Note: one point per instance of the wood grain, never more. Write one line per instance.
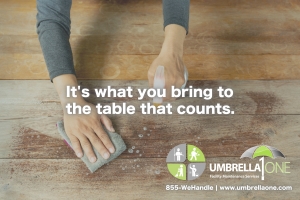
(135, 67)
(231, 43)
(120, 39)
(35, 162)
(127, 16)
(217, 136)
(145, 44)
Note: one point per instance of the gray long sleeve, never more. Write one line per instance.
(176, 12)
(54, 24)
(53, 28)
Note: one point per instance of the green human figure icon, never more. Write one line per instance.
(194, 154)
(179, 171)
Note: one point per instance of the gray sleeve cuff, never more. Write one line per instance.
(176, 12)
(54, 74)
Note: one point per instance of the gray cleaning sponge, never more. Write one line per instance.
(115, 138)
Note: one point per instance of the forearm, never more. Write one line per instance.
(176, 24)
(53, 28)
(176, 19)
(174, 39)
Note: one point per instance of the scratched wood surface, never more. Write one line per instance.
(119, 39)
(35, 162)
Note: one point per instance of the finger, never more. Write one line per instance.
(103, 136)
(87, 148)
(169, 95)
(99, 146)
(180, 81)
(177, 83)
(107, 123)
(76, 146)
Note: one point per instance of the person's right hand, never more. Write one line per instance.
(86, 131)
(83, 130)
(173, 72)
(170, 57)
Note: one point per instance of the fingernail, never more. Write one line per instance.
(112, 129)
(93, 159)
(106, 156)
(79, 155)
(111, 150)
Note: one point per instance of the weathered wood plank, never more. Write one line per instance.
(105, 39)
(216, 13)
(135, 27)
(125, 37)
(131, 178)
(135, 67)
(217, 136)
(143, 44)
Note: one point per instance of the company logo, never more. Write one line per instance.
(261, 151)
(266, 151)
(180, 154)
(187, 162)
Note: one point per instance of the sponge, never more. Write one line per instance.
(114, 137)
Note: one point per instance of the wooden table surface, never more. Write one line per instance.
(35, 162)
(228, 39)
(249, 46)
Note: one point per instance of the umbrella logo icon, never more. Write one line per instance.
(262, 151)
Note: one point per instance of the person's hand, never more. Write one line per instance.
(86, 131)
(173, 71)
(171, 58)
